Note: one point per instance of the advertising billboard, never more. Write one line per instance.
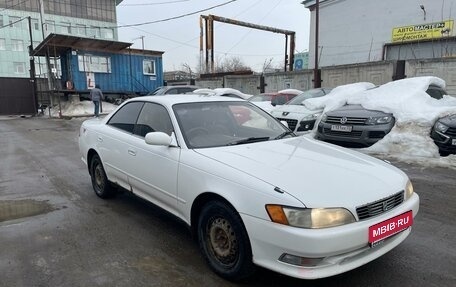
(423, 31)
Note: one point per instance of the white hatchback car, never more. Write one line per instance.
(251, 191)
(299, 118)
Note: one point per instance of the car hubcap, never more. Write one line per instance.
(222, 241)
(99, 179)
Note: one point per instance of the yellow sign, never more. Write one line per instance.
(423, 31)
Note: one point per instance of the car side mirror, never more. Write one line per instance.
(158, 138)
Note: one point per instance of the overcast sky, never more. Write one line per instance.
(179, 38)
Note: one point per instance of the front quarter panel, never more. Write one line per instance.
(248, 195)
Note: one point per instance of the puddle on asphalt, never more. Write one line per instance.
(16, 209)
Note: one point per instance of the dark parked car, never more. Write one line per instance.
(353, 125)
(444, 134)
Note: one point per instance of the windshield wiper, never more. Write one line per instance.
(248, 140)
(284, 134)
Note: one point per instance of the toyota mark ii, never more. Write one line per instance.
(252, 192)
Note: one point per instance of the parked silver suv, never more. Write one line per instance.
(353, 125)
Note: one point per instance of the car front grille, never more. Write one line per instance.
(349, 120)
(380, 206)
(352, 134)
(451, 132)
(291, 123)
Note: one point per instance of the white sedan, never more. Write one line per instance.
(250, 190)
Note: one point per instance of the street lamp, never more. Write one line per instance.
(424, 11)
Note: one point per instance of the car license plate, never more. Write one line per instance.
(341, 128)
(453, 141)
(389, 227)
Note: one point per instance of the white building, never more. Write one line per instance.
(359, 31)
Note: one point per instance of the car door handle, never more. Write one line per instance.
(131, 152)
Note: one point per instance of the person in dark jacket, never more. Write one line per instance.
(97, 96)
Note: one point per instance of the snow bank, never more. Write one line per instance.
(414, 110)
(337, 97)
(79, 109)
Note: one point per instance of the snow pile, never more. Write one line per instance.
(337, 97)
(291, 91)
(79, 109)
(414, 110)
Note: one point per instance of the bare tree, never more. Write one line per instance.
(230, 64)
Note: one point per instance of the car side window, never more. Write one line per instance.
(153, 118)
(125, 117)
(435, 93)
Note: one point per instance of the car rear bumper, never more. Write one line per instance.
(365, 135)
(326, 252)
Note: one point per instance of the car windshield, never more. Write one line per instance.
(306, 95)
(214, 124)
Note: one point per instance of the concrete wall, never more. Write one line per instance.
(248, 85)
(301, 80)
(444, 69)
(375, 72)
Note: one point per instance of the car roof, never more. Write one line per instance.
(171, 99)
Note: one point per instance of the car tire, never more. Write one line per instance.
(224, 242)
(444, 153)
(100, 183)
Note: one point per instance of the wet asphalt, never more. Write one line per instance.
(54, 231)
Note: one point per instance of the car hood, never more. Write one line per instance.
(449, 121)
(356, 111)
(293, 109)
(316, 173)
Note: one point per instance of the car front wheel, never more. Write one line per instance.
(100, 183)
(224, 242)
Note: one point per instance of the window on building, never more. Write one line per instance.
(1, 21)
(96, 64)
(94, 32)
(2, 44)
(107, 33)
(35, 24)
(65, 28)
(50, 26)
(81, 29)
(149, 67)
(19, 67)
(15, 22)
(17, 45)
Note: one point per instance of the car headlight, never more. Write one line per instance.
(313, 218)
(408, 190)
(324, 117)
(310, 117)
(379, 120)
(440, 127)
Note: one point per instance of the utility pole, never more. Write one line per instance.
(32, 65)
(42, 20)
(317, 74)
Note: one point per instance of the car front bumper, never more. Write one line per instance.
(338, 249)
(361, 135)
(443, 141)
